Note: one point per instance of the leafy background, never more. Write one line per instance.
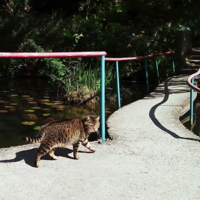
(119, 27)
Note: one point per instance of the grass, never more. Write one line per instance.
(80, 76)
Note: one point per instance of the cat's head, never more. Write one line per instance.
(91, 123)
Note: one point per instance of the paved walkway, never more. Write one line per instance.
(152, 157)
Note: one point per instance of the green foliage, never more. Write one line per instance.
(122, 28)
(80, 75)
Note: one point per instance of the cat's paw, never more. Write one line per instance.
(77, 158)
(92, 149)
(36, 164)
(54, 157)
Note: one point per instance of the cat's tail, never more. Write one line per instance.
(32, 139)
(37, 138)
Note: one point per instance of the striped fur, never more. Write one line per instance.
(62, 133)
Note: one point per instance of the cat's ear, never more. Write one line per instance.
(87, 118)
(97, 118)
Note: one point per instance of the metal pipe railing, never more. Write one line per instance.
(145, 66)
(190, 82)
(51, 54)
(102, 81)
(70, 54)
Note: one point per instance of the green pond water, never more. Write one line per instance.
(26, 104)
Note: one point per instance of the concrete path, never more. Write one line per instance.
(152, 157)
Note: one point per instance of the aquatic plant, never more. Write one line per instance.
(83, 81)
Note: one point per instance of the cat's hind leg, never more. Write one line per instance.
(86, 144)
(75, 150)
(41, 151)
(52, 155)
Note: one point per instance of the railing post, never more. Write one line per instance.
(157, 70)
(192, 104)
(173, 67)
(118, 84)
(102, 96)
(147, 74)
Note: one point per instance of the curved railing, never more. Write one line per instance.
(145, 66)
(190, 82)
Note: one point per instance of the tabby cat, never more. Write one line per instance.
(62, 133)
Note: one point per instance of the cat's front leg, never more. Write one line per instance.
(75, 150)
(86, 144)
(52, 155)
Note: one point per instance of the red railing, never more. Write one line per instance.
(137, 58)
(70, 54)
(86, 54)
(51, 54)
(146, 70)
(189, 81)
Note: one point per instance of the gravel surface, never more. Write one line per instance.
(152, 157)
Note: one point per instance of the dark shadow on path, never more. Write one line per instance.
(29, 155)
(156, 121)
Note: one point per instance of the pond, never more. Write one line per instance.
(26, 104)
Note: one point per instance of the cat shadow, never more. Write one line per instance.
(29, 155)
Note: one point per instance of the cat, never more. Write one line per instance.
(62, 133)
